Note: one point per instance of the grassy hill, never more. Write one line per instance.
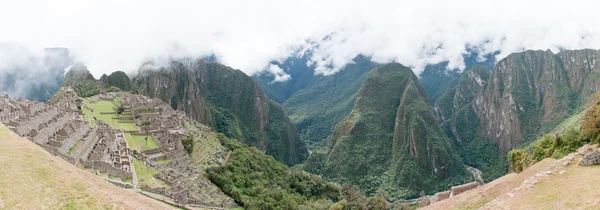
(31, 178)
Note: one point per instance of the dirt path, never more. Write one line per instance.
(478, 197)
(563, 185)
(31, 178)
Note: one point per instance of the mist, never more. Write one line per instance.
(35, 75)
(249, 35)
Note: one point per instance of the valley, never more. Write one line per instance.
(198, 134)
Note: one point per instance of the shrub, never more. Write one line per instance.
(188, 145)
(258, 181)
(519, 160)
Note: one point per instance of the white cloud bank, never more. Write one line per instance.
(119, 35)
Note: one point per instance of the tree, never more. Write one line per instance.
(146, 124)
(120, 109)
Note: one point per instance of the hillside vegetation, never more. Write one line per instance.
(257, 181)
(227, 100)
(391, 140)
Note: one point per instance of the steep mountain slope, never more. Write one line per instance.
(391, 140)
(81, 80)
(461, 124)
(31, 76)
(526, 95)
(116, 79)
(437, 79)
(326, 100)
(31, 178)
(316, 103)
(530, 93)
(227, 100)
(300, 76)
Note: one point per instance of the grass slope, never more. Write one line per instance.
(31, 178)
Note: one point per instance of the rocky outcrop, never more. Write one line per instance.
(590, 159)
(529, 93)
(227, 100)
(526, 95)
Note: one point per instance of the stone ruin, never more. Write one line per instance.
(62, 130)
(454, 191)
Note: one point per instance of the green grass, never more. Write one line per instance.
(75, 147)
(145, 174)
(110, 119)
(163, 162)
(139, 142)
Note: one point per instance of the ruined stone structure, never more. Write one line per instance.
(61, 129)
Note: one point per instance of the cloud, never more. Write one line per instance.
(280, 75)
(31, 74)
(248, 35)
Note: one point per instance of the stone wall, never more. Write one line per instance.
(54, 151)
(158, 190)
(456, 190)
(440, 196)
(108, 168)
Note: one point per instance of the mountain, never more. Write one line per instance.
(81, 80)
(116, 79)
(391, 139)
(316, 103)
(300, 76)
(227, 100)
(437, 78)
(525, 96)
(26, 74)
(326, 100)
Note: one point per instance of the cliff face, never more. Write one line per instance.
(391, 139)
(526, 95)
(531, 92)
(227, 100)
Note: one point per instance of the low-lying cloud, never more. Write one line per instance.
(248, 35)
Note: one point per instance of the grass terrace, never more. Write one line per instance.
(145, 175)
(138, 143)
(75, 147)
(111, 119)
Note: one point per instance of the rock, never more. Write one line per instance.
(562, 172)
(590, 159)
(586, 149)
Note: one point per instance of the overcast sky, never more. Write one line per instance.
(119, 35)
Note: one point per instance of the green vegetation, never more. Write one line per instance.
(107, 112)
(188, 145)
(75, 147)
(227, 100)
(258, 181)
(560, 144)
(145, 175)
(140, 143)
(316, 109)
(117, 79)
(391, 140)
(82, 81)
